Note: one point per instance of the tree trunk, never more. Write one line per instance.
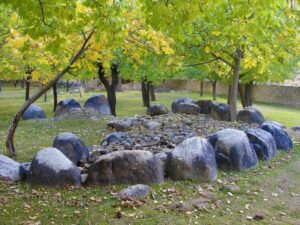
(1, 85)
(242, 95)
(22, 84)
(119, 85)
(68, 85)
(54, 96)
(228, 94)
(249, 93)
(45, 97)
(152, 93)
(235, 83)
(27, 84)
(15, 82)
(146, 93)
(201, 88)
(110, 88)
(214, 89)
(16, 119)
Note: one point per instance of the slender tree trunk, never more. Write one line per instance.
(54, 88)
(110, 88)
(228, 94)
(27, 84)
(22, 84)
(146, 93)
(201, 88)
(1, 85)
(152, 93)
(16, 119)
(45, 97)
(235, 83)
(214, 89)
(68, 86)
(15, 83)
(119, 85)
(242, 95)
(249, 93)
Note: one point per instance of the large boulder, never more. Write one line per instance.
(282, 139)
(9, 169)
(263, 143)
(193, 159)
(120, 124)
(128, 166)
(98, 104)
(220, 111)
(250, 115)
(50, 167)
(71, 146)
(157, 109)
(34, 112)
(185, 105)
(205, 106)
(66, 107)
(233, 150)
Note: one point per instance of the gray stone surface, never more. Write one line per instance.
(193, 159)
(262, 142)
(9, 169)
(185, 105)
(157, 109)
(250, 115)
(71, 146)
(282, 139)
(34, 112)
(233, 150)
(120, 124)
(67, 107)
(99, 104)
(50, 167)
(128, 166)
(138, 191)
(220, 111)
(205, 106)
(24, 169)
(151, 125)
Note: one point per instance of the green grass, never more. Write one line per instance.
(20, 204)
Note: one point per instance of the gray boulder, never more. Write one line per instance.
(120, 124)
(152, 125)
(220, 111)
(24, 169)
(233, 150)
(128, 166)
(163, 158)
(9, 169)
(193, 159)
(71, 146)
(50, 167)
(250, 115)
(185, 105)
(296, 129)
(98, 104)
(66, 107)
(263, 143)
(205, 106)
(138, 191)
(282, 139)
(34, 112)
(114, 137)
(157, 109)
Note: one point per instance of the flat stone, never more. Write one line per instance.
(138, 191)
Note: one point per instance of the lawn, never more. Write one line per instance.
(270, 190)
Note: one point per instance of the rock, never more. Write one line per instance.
(220, 111)
(193, 159)
(128, 166)
(138, 191)
(71, 146)
(66, 107)
(34, 112)
(24, 169)
(114, 137)
(50, 167)
(295, 129)
(157, 109)
(282, 139)
(151, 125)
(120, 124)
(263, 143)
(232, 188)
(233, 150)
(277, 124)
(163, 158)
(99, 104)
(294, 132)
(9, 169)
(250, 115)
(205, 106)
(185, 105)
(83, 178)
